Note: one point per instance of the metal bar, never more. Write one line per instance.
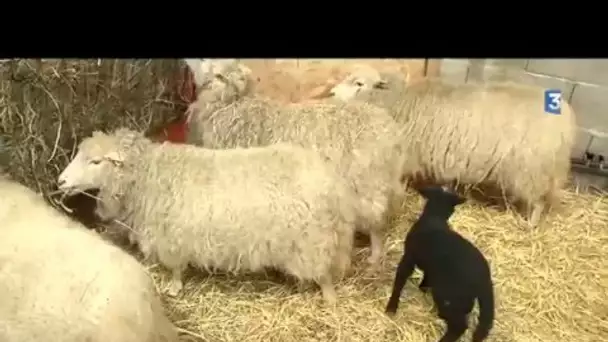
(579, 166)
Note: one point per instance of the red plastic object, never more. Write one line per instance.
(174, 132)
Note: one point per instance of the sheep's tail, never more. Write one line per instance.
(486, 312)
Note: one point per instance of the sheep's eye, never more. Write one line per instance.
(95, 161)
(221, 77)
(359, 84)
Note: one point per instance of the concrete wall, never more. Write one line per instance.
(584, 83)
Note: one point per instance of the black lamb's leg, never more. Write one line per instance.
(424, 283)
(404, 271)
(457, 325)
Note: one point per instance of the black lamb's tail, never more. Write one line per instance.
(486, 312)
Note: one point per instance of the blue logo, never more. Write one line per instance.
(553, 101)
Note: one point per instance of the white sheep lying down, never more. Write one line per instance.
(235, 210)
(60, 282)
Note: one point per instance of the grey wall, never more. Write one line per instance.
(584, 83)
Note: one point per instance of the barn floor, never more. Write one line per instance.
(551, 284)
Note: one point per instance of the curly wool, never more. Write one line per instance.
(493, 133)
(63, 282)
(361, 138)
(235, 210)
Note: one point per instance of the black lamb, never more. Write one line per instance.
(454, 270)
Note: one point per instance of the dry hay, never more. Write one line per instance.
(551, 284)
(46, 106)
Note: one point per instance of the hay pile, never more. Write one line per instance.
(48, 106)
(551, 284)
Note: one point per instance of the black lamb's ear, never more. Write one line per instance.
(425, 192)
(458, 200)
(430, 191)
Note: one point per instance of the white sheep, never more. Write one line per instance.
(234, 210)
(480, 134)
(60, 282)
(363, 139)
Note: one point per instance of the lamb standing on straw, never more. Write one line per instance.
(454, 269)
(494, 133)
(361, 138)
(60, 282)
(236, 210)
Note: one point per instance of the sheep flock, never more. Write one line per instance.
(283, 216)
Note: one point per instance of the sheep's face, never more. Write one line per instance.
(356, 84)
(215, 76)
(97, 157)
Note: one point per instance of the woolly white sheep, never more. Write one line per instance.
(361, 138)
(494, 133)
(60, 282)
(235, 210)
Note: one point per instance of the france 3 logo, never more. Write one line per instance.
(553, 101)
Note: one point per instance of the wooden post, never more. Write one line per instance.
(432, 67)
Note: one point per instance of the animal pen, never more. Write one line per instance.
(551, 282)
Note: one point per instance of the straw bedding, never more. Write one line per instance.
(551, 283)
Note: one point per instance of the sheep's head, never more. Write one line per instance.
(360, 81)
(220, 77)
(98, 156)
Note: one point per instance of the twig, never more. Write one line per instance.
(193, 334)
(58, 135)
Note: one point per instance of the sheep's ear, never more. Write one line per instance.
(115, 158)
(197, 66)
(382, 84)
(323, 91)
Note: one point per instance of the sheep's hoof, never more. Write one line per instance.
(390, 312)
(533, 223)
(329, 293)
(330, 296)
(330, 299)
(175, 288)
(374, 262)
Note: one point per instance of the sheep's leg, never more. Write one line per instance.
(377, 248)
(133, 239)
(327, 289)
(176, 284)
(536, 212)
(404, 271)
